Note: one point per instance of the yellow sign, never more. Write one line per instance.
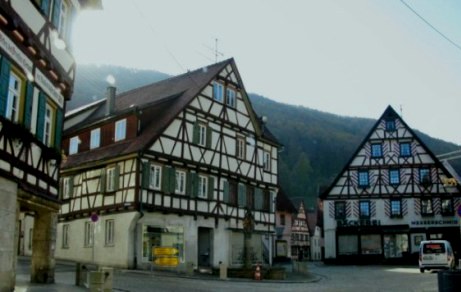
(165, 251)
(167, 261)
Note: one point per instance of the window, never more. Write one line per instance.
(65, 236)
(426, 207)
(73, 145)
(405, 149)
(201, 134)
(180, 185)
(202, 186)
(155, 176)
(396, 208)
(242, 195)
(394, 176)
(267, 160)
(282, 219)
(62, 19)
(218, 91)
(109, 232)
(447, 207)
(376, 150)
(13, 99)
(363, 179)
(390, 125)
(259, 199)
(48, 127)
(230, 97)
(340, 210)
(88, 236)
(67, 187)
(111, 179)
(424, 176)
(241, 148)
(120, 130)
(364, 209)
(95, 139)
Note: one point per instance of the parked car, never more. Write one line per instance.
(436, 254)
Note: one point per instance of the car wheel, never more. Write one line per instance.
(421, 270)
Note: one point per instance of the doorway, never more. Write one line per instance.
(205, 248)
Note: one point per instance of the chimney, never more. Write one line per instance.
(110, 100)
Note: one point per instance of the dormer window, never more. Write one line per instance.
(73, 145)
(120, 130)
(218, 91)
(95, 138)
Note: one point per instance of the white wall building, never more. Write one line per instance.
(170, 169)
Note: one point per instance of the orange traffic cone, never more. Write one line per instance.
(258, 272)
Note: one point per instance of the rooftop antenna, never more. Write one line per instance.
(401, 111)
(216, 51)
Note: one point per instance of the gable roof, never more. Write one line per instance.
(156, 105)
(388, 114)
(283, 203)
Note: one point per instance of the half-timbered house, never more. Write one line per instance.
(284, 212)
(300, 236)
(37, 71)
(392, 194)
(169, 170)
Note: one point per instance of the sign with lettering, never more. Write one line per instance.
(434, 222)
(165, 256)
(165, 251)
(361, 222)
(49, 88)
(15, 53)
(167, 261)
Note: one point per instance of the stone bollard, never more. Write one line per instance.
(222, 271)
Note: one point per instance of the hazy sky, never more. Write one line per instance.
(351, 58)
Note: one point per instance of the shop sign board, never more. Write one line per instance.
(166, 256)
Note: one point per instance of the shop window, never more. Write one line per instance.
(395, 245)
(447, 207)
(426, 207)
(164, 237)
(371, 244)
(340, 210)
(347, 244)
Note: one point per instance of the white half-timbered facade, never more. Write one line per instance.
(174, 164)
(391, 195)
(300, 236)
(36, 77)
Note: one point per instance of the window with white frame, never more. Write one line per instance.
(267, 160)
(241, 147)
(111, 179)
(63, 19)
(67, 187)
(120, 130)
(14, 96)
(95, 138)
(155, 178)
(110, 232)
(202, 186)
(180, 185)
(230, 97)
(65, 236)
(88, 235)
(201, 134)
(218, 91)
(73, 145)
(48, 127)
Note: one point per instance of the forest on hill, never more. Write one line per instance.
(316, 144)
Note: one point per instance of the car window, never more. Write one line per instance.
(434, 248)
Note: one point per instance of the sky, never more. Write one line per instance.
(350, 58)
